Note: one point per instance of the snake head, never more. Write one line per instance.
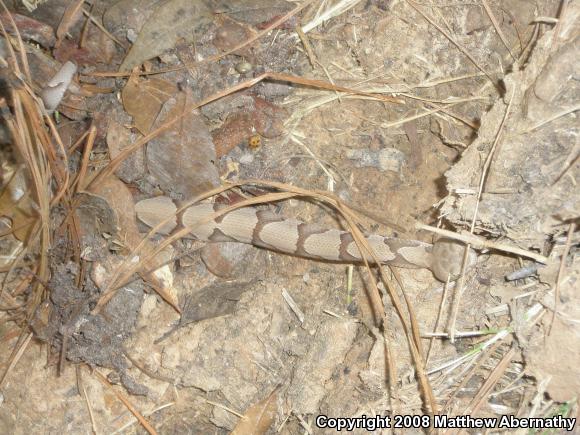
(447, 256)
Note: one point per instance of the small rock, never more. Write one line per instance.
(246, 159)
(386, 159)
(244, 67)
(221, 259)
(229, 35)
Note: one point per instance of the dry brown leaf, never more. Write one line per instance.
(16, 205)
(71, 16)
(23, 221)
(182, 158)
(143, 99)
(259, 417)
(173, 20)
(115, 195)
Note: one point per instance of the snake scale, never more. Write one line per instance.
(269, 230)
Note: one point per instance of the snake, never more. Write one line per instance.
(266, 229)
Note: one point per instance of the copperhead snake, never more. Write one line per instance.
(268, 230)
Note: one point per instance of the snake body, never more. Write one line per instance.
(269, 230)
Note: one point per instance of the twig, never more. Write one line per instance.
(561, 269)
(307, 46)
(15, 357)
(497, 27)
(490, 382)
(259, 34)
(102, 29)
(438, 319)
(145, 414)
(81, 181)
(461, 281)
(479, 243)
(126, 402)
(552, 118)
(90, 409)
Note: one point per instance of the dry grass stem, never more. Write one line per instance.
(102, 29)
(337, 9)
(90, 410)
(17, 352)
(452, 40)
(490, 383)
(145, 414)
(142, 420)
(561, 270)
(497, 27)
(479, 243)
(461, 281)
(438, 319)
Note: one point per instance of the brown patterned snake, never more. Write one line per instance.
(268, 230)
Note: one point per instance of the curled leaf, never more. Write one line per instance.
(259, 417)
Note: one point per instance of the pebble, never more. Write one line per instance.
(244, 67)
(386, 159)
(247, 158)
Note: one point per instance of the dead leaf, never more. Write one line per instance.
(182, 159)
(116, 197)
(71, 16)
(10, 247)
(128, 14)
(30, 29)
(120, 137)
(144, 98)
(161, 279)
(17, 205)
(97, 49)
(171, 21)
(23, 220)
(259, 417)
(120, 200)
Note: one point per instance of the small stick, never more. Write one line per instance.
(497, 27)
(478, 243)
(307, 46)
(438, 319)
(491, 381)
(561, 269)
(90, 409)
(102, 29)
(126, 402)
(484, 172)
(81, 181)
(15, 357)
(259, 34)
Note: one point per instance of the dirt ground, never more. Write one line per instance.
(420, 117)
